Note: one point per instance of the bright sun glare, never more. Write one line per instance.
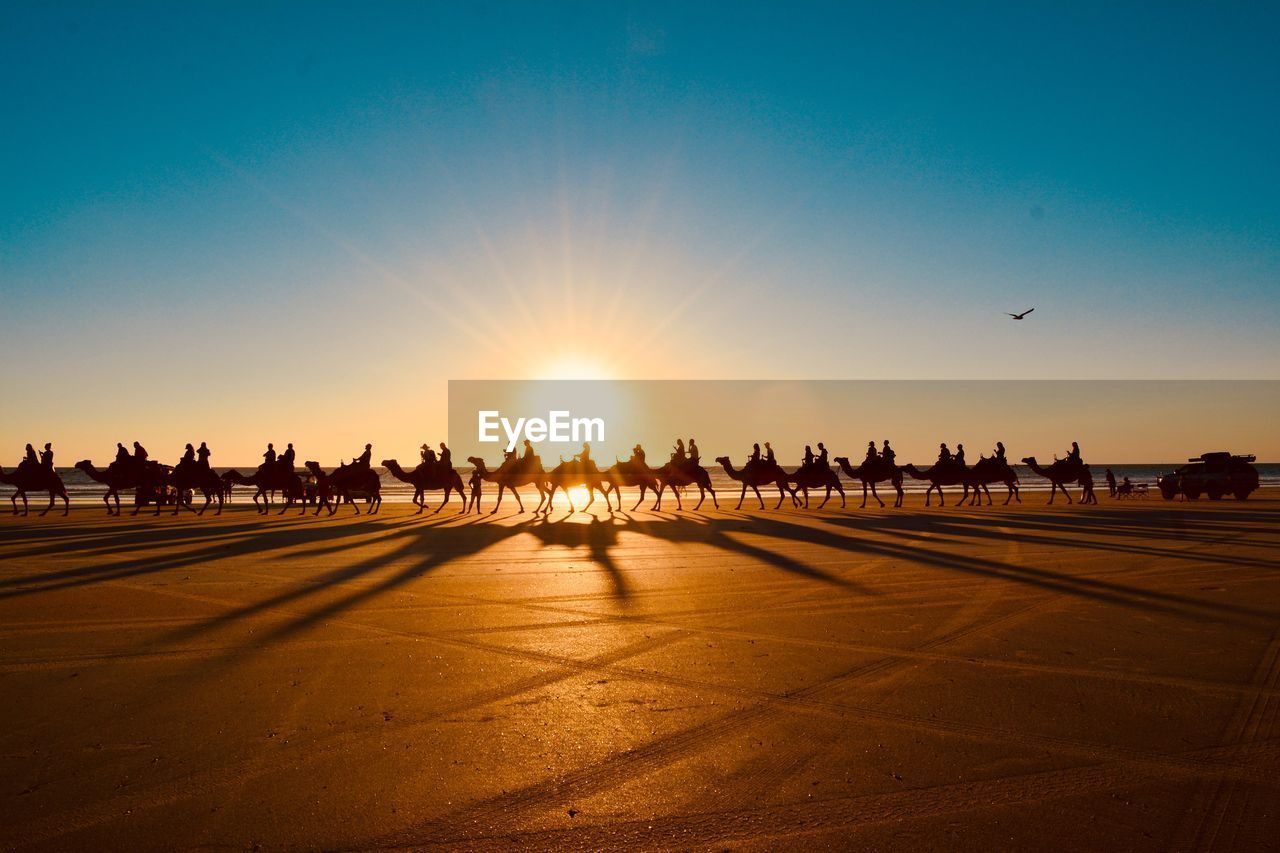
(573, 367)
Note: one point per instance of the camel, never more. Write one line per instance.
(989, 469)
(35, 478)
(1059, 474)
(940, 475)
(676, 475)
(634, 474)
(817, 476)
(756, 474)
(870, 473)
(193, 477)
(347, 482)
(428, 477)
(269, 478)
(150, 477)
(566, 475)
(512, 473)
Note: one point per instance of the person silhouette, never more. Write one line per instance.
(204, 453)
(871, 452)
(769, 458)
(637, 454)
(188, 455)
(678, 455)
(887, 453)
(30, 457)
(139, 453)
(286, 458)
(822, 456)
(446, 456)
(122, 455)
(755, 452)
(944, 455)
(475, 484)
(695, 455)
(529, 455)
(959, 457)
(422, 452)
(428, 456)
(364, 458)
(584, 457)
(999, 454)
(808, 457)
(1111, 482)
(269, 457)
(1074, 455)
(46, 457)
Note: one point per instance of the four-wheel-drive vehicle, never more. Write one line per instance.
(1211, 474)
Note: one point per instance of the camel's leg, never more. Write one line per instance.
(106, 499)
(591, 498)
(842, 498)
(679, 504)
(742, 497)
(874, 494)
(14, 499)
(702, 496)
(756, 489)
(657, 503)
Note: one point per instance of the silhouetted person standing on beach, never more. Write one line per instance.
(46, 458)
(944, 455)
(203, 453)
(1111, 482)
(887, 454)
(695, 455)
(269, 457)
(475, 483)
(959, 458)
(364, 458)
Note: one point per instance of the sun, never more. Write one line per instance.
(571, 366)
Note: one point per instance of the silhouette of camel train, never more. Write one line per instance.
(159, 485)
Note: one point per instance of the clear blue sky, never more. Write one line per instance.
(231, 217)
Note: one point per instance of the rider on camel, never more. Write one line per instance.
(695, 455)
(887, 453)
(446, 457)
(364, 458)
(999, 454)
(122, 455)
(269, 457)
(944, 455)
(959, 458)
(428, 456)
(755, 453)
(808, 456)
(139, 454)
(585, 457)
(769, 457)
(822, 456)
(188, 455)
(678, 455)
(529, 455)
(637, 454)
(872, 456)
(286, 458)
(1074, 455)
(30, 458)
(203, 452)
(46, 458)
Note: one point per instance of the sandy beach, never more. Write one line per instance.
(958, 678)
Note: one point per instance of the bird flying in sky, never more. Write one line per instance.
(1020, 316)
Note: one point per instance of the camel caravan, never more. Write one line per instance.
(278, 479)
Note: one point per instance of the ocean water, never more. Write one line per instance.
(82, 490)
